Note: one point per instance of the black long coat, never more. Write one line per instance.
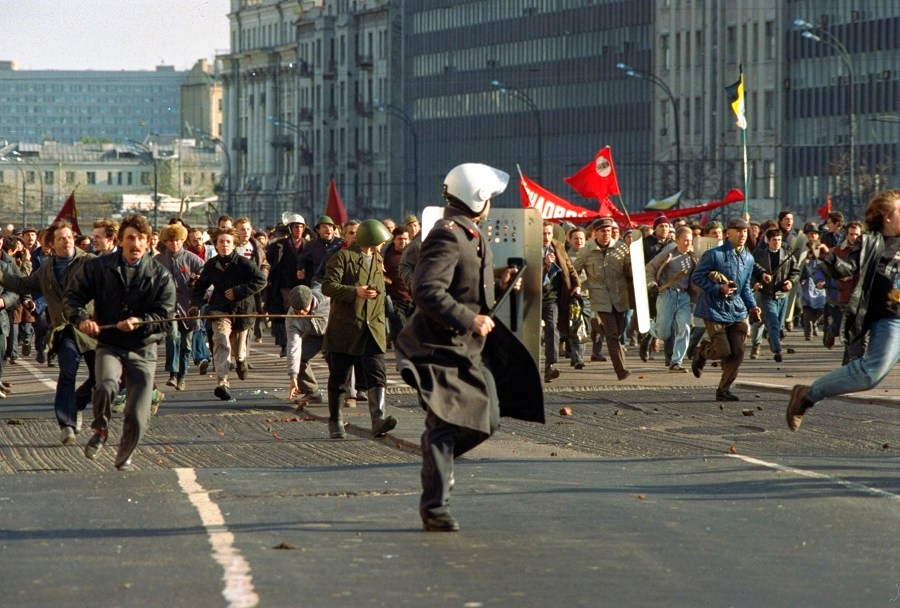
(438, 355)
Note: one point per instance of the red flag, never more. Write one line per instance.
(69, 212)
(824, 211)
(553, 207)
(335, 206)
(597, 179)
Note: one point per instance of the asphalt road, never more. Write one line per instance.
(648, 494)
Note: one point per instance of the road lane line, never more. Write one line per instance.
(238, 591)
(38, 375)
(804, 473)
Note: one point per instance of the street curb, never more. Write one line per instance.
(892, 402)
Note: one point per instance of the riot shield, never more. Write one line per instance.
(515, 239)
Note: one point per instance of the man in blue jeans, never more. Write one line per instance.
(69, 344)
(874, 307)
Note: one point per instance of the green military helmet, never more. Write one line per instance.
(372, 233)
(324, 219)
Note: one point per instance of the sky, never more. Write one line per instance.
(112, 34)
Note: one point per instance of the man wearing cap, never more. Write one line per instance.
(411, 254)
(777, 271)
(283, 255)
(184, 267)
(305, 337)
(724, 276)
(607, 267)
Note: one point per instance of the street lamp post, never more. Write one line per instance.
(407, 120)
(305, 149)
(650, 77)
(22, 176)
(221, 144)
(526, 98)
(817, 34)
(155, 162)
(39, 178)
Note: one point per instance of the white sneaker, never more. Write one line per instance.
(67, 435)
(79, 421)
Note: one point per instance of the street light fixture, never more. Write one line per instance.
(651, 77)
(153, 159)
(22, 175)
(526, 98)
(304, 150)
(230, 191)
(817, 34)
(404, 116)
(38, 176)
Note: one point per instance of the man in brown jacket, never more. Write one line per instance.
(608, 268)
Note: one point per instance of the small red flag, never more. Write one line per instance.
(824, 211)
(335, 206)
(597, 179)
(69, 212)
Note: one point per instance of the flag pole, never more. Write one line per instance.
(746, 178)
(621, 200)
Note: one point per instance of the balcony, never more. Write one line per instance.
(365, 62)
(329, 70)
(364, 109)
(305, 115)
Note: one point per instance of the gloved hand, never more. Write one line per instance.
(653, 290)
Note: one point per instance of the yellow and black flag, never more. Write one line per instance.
(736, 97)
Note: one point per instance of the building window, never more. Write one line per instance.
(119, 178)
(70, 177)
(30, 177)
(664, 47)
(91, 177)
(769, 109)
(145, 178)
(130, 178)
(48, 178)
(109, 178)
(770, 40)
(188, 180)
(731, 45)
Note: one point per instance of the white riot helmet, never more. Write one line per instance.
(473, 184)
(288, 218)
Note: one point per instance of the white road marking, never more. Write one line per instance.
(38, 375)
(804, 473)
(238, 591)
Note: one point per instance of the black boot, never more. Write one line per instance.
(335, 421)
(381, 424)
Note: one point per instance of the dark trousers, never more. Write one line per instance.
(69, 401)
(613, 326)
(371, 363)
(136, 368)
(725, 344)
(442, 442)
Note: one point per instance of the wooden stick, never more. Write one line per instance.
(235, 316)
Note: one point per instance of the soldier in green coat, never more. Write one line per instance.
(354, 280)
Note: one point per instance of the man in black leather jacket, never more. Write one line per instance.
(874, 308)
(131, 295)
